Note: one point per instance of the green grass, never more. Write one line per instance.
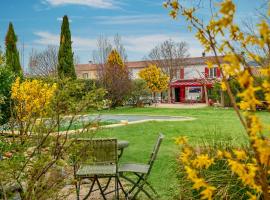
(211, 126)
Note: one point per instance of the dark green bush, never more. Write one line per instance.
(216, 92)
(6, 79)
(139, 92)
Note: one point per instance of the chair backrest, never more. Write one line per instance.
(98, 151)
(155, 151)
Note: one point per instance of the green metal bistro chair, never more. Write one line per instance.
(142, 172)
(98, 159)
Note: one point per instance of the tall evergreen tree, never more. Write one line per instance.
(12, 54)
(65, 55)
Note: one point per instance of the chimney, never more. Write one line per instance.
(203, 54)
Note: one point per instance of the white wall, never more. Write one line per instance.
(192, 72)
(134, 73)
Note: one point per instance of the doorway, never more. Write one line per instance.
(177, 94)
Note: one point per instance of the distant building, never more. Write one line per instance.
(188, 82)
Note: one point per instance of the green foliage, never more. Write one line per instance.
(215, 94)
(7, 77)
(65, 55)
(139, 92)
(73, 97)
(12, 54)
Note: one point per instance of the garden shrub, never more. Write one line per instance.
(34, 153)
(216, 92)
(193, 164)
(139, 93)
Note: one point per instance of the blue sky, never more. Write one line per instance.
(141, 23)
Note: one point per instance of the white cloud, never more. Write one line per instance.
(89, 3)
(78, 43)
(136, 46)
(143, 44)
(131, 19)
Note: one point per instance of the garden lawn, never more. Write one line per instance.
(211, 126)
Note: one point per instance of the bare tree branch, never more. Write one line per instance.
(44, 63)
(169, 56)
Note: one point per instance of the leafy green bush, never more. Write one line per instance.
(139, 92)
(216, 92)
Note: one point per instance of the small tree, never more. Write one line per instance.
(116, 79)
(139, 91)
(65, 54)
(156, 80)
(104, 48)
(12, 54)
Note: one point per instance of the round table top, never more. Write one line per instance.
(122, 144)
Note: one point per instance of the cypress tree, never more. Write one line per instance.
(12, 54)
(65, 55)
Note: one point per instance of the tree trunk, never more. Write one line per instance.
(206, 94)
(169, 95)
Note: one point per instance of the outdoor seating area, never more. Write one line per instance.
(99, 159)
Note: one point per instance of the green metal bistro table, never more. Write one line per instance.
(121, 144)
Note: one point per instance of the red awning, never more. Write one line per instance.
(189, 83)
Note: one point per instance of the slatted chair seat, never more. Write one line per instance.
(92, 170)
(138, 168)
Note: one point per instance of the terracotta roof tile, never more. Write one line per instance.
(143, 64)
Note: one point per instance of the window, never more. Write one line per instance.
(213, 72)
(195, 90)
(85, 75)
(177, 74)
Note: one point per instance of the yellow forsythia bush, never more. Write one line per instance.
(156, 80)
(31, 98)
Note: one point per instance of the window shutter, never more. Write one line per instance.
(182, 73)
(218, 72)
(206, 71)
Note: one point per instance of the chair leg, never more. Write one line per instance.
(151, 187)
(139, 186)
(107, 185)
(116, 188)
(90, 190)
(100, 188)
(135, 185)
(147, 183)
(78, 186)
(122, 188)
